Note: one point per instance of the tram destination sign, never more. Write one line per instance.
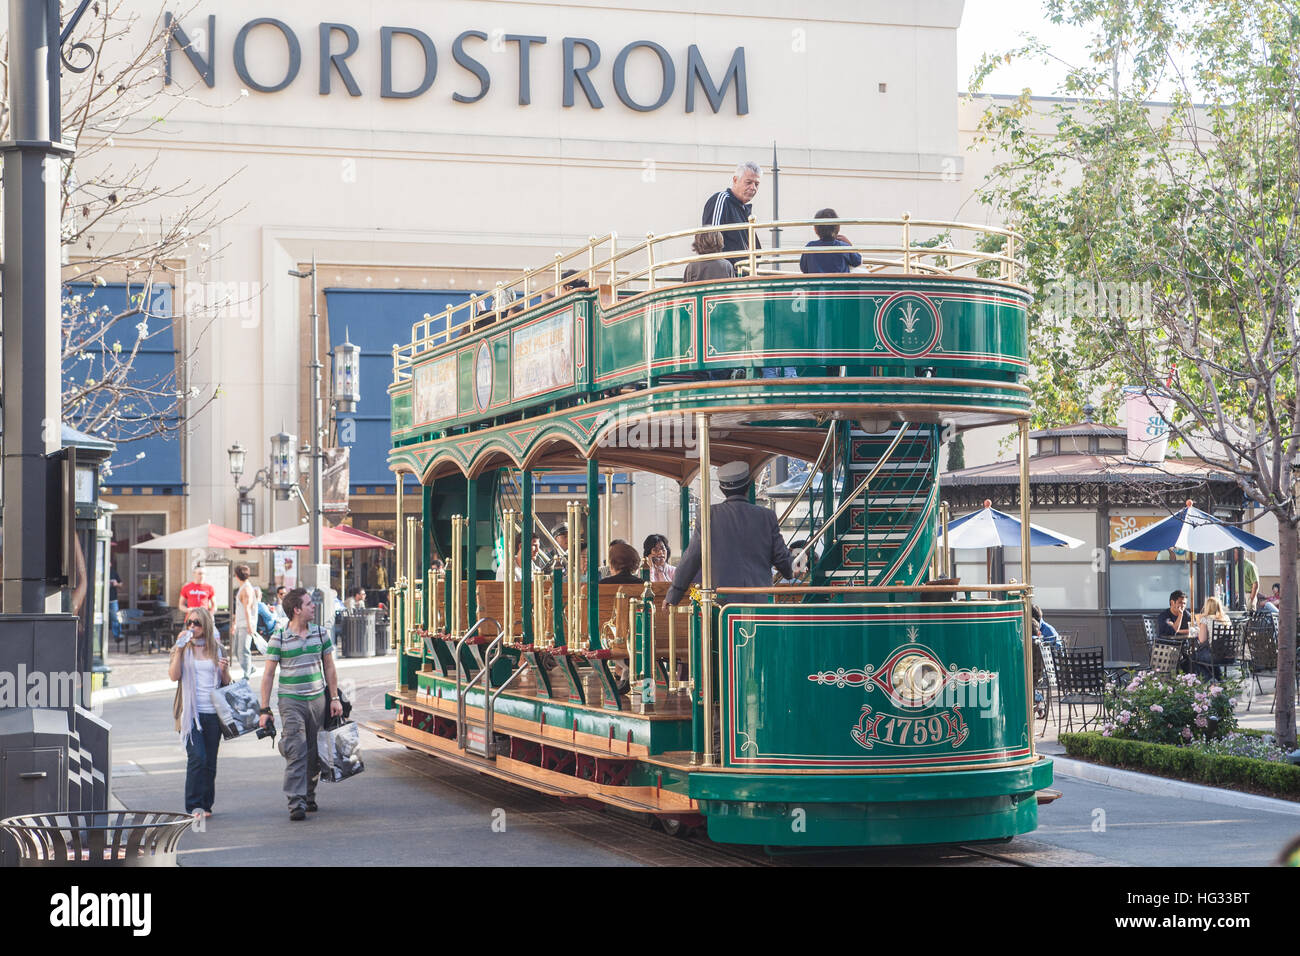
(410, 51)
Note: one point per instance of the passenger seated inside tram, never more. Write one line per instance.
(708, 243)
(818, 263)
(656, 553)
(800, 564)
(623, 564)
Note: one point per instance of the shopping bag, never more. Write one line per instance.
(339, 749)
(236, 705)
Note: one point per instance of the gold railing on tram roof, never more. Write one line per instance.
(641, 268)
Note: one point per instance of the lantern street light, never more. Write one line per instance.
(347, 376)
(284, 477)
(238, 456)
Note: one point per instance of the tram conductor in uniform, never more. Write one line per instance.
(746, 544)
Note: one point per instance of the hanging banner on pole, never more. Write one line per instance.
(1147, 413)
(334, 480)
(286, 568)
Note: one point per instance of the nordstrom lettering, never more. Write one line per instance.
(572, 64)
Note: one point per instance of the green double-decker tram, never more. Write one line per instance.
(875, 700)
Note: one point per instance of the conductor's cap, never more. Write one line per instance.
(733, 475)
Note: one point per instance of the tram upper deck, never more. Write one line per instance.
(933, 328)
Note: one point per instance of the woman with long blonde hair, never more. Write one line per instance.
(1212, 613)
(199, 667)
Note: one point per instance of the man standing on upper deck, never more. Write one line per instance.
(733, 205)
(746, 543)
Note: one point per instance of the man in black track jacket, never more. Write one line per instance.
(732, 205)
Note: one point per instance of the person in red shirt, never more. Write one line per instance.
(197, 594)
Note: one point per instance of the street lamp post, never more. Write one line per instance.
(317, 573)
(237, 456)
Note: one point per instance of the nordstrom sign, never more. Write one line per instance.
(418, 55)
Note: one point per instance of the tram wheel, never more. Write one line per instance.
(674, 827)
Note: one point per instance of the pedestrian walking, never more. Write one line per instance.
(304, 653)
(199, 667)
(245, 619)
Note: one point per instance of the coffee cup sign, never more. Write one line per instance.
(1147, 415)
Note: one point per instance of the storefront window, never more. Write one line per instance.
(142, 573)
(1146, 585)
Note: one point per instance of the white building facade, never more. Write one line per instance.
(421, 152)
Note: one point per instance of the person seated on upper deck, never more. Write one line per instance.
(623, 562)
(485, 316)
(707, 243)
(570, 282)
(746, 543)
(732, 205)
(818, 263)
(1174, 622)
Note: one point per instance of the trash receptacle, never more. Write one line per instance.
(381, 632)
(358, 633)
(106, 838)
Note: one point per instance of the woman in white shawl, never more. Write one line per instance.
(200, 667)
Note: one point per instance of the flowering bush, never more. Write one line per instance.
(1165, 709)
(1258, 747)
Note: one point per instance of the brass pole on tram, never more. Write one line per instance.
(508, 563)
(1025, 578)
(397, 624)
(526, 556)
(591, 626)
(710, 756)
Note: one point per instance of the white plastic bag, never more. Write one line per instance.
(340, 752)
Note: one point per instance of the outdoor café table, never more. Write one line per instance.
(1115, 669)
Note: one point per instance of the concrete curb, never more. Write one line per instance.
(169, 686)
(1164, 787)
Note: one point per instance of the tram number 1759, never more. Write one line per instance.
(947, 726)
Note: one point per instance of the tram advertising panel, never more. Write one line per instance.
(543, 356)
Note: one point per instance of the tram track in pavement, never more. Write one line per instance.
(632, 835)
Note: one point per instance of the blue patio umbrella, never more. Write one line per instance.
(1193, 531)
(990, 528)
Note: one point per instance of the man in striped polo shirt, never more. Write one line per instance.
(305, 656)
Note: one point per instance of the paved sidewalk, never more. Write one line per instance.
(143, 673)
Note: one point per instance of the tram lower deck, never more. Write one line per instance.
(875, 701)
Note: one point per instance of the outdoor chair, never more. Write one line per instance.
(1225, 651)
(1045, 680)
(1151, 632)
(1261, 655)
(1165, 656)
(132, 627)
(1081, 679)
(1139, 640)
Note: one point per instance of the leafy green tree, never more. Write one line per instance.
(1160, 207)
(957, 453)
